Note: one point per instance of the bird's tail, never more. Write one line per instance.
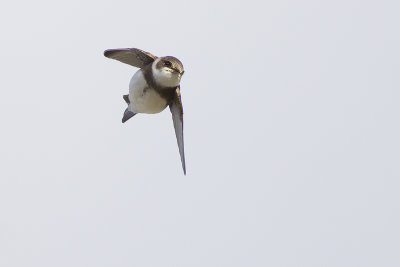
(127, 114)
(126, 98)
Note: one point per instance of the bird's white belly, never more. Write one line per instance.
(143, 98)
(148, 101)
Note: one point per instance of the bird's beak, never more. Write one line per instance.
(178, 71)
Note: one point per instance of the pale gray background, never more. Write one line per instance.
(291, 132)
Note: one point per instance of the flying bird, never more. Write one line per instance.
(153, 87)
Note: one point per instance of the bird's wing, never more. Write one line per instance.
(177, 116)
(132, 56)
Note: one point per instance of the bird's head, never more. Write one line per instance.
(167, 71)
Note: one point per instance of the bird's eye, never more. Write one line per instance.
(167, 63)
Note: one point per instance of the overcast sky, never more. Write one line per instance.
(291, 135)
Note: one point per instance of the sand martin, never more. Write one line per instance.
(153, 87)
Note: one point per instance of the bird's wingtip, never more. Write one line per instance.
(107, 53)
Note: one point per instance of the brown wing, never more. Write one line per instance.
(132, 56)
(177, 116)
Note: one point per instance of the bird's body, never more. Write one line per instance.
(153, 87)
(143, 98)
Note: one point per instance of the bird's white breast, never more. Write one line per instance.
(143, 98)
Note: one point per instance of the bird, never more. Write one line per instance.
(153, 87)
